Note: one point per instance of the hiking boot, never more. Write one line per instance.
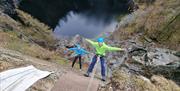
(80, 70)
(103, 79)
(72, 69)
(86, 75)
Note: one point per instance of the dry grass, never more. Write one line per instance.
(32, 32)
(162, 84)
(159, 21)
(124, 81)
(34, 29)
(12, 42)
(7, 23)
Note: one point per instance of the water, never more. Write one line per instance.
(88, 18)
(81, 24)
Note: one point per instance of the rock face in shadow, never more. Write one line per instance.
(8, 6)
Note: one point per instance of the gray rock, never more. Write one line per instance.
(177, 54)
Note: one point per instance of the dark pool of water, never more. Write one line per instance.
(83, 25)
(88, 18)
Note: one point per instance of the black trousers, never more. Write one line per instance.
(80, 64)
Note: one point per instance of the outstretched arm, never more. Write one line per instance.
(114, 48)
(72, 49)
(91, 42)
(86, 52)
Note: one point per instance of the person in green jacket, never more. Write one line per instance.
(101, 49)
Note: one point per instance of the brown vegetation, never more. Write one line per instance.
(27, 35)
(159, 21)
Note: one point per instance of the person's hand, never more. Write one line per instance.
(123, 49)
(87, 52)
(65, 51)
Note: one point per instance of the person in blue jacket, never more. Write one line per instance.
(79, 51)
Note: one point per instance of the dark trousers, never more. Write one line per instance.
(94, 60)
(80, 64)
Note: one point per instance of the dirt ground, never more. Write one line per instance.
(75, 82)
(63, 78)
(11, 59)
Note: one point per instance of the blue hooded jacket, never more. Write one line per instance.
(78, 50)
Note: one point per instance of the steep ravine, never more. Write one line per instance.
(149, 66)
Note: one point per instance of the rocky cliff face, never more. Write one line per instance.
(146, 34)
(144, 68)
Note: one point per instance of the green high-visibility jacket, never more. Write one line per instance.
(101, 50)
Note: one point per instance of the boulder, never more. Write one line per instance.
(155, 58)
